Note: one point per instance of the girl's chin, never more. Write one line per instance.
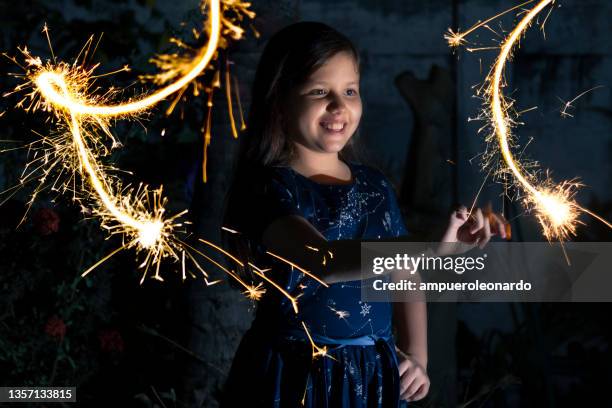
(332, 147)
(327, 143)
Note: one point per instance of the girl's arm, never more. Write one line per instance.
(411, 322)
(289, 237)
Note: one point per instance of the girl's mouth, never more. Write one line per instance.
(335, 127)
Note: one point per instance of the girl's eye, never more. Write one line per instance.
(351, 92)
(318, 92)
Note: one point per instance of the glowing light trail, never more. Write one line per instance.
(554, 207)
(299, 268)
(48, 82)
(499, 115)
(138, 216)
(552, 203)
(64, 90)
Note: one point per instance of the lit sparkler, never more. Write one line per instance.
(83, 118)
(553, 204)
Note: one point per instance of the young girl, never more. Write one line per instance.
(298, 195)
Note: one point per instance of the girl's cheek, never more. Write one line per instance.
(354, 102)
(357, 108)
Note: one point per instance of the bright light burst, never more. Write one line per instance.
(553, 204)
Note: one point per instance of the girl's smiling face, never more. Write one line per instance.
(325, 110)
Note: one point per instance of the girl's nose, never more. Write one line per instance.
(336, 105)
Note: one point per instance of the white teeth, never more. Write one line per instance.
(333, 126)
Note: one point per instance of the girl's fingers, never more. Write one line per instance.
(479, 221)
(406, 381)
(412, 389)
(485, 233)
(459, 217)
(404, 366)
(500, 225)
(421, 392)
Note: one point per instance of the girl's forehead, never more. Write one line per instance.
(341, 66)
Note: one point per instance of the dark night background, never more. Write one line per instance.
(171, 344)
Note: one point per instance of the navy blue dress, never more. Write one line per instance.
(273, 366)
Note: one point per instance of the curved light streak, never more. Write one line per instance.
(48, 82)
(138, 216)
(146, 228)
(553, 203)
(499, 115)
(83, 115)
(149, 231)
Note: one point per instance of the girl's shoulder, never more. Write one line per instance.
(264, 176)
(363, 172)
(363, 175)
(279, 175)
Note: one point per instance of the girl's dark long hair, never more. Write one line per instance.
(289, 58)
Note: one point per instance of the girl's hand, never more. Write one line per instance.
(468, 231)
(414, 381)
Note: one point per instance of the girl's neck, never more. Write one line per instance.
(321, 167)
